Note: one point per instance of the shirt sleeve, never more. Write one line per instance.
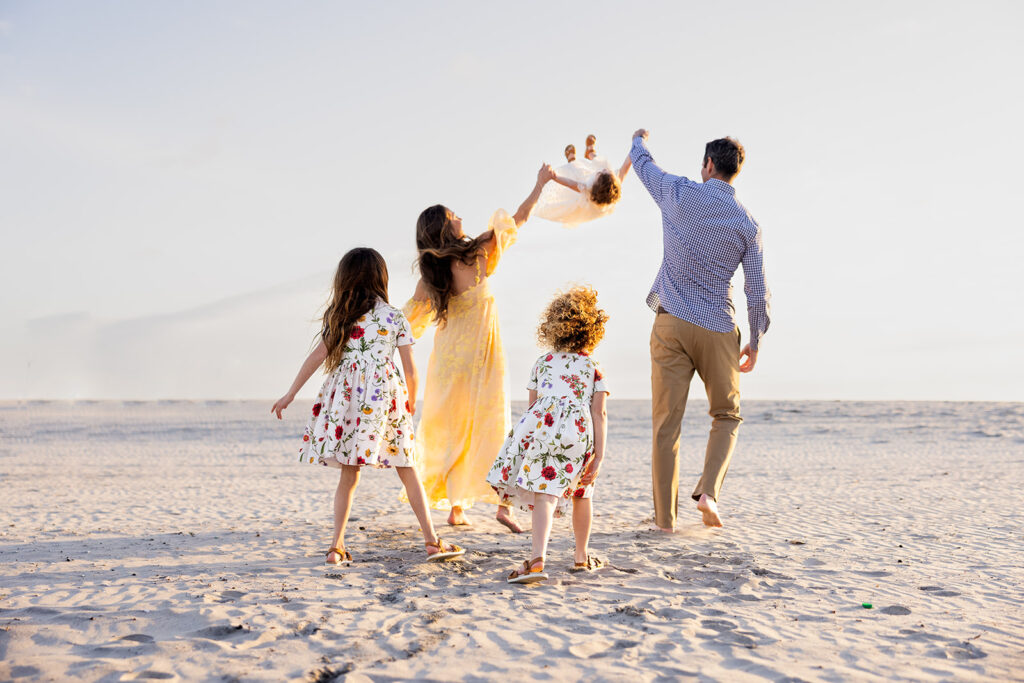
(403, 334)
(756, 290)
(599, 382)
(658, 182)
(533, 383)
(505, 232)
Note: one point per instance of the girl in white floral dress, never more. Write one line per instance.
(363, 413)
(553, 454)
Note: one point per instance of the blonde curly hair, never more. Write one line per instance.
(572, 322)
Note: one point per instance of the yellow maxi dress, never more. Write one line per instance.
(465, 400)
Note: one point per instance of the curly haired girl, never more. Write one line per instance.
(553, 454)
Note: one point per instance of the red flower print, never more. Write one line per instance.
(358, 332)
(548, 357)
(337, 432)
(568, 468)
(394, 406)
(357, 421)
(579, 492)
(597, 375)
(305, 437)
(407, 408)
(316, 409)
(548, 473)
(360, 460)
(580, 426)
(504, 473)
(548, 419)
(332, 393)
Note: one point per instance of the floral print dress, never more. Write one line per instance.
(547, 451)
(362, 416)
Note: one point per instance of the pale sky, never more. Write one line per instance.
(180, 179)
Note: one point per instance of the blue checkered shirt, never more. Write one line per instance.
(707, 235)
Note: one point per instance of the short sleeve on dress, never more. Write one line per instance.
(418, 316)
(599, 383)
(505, 231)
(403, 331)
(534, 382)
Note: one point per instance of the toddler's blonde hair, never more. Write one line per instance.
(572, 322)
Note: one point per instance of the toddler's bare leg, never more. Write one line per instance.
(582, 517)
(543, 517)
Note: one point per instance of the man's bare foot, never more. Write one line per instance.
(709, 510)
(664, 530)
(458, 517)
(505, 518)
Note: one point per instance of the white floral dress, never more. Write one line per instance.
(547, 451)
(361, 416)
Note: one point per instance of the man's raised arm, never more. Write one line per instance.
(650, 174)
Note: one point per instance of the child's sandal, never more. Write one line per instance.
(570, 153)
(528, 573)
(590, 152)
(343, 556)
(445, 551)
(593, 562)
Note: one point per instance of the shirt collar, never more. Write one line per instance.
(720, 185)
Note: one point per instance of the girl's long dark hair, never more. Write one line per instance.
(439, 248)
(361, 279)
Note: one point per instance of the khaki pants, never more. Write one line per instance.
(678, 348)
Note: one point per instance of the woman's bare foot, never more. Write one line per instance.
(506, 518)
(591, 152)
(458, 517)
(570, 153)
(709, 510)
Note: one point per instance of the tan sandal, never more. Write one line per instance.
(344, 555)
(570, 153)
(444, 551)
(529, 573)
(590, 152)
(593, 562)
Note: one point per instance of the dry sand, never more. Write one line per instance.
(178, 540)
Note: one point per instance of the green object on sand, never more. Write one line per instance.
(866, 605)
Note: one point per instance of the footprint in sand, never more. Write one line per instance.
(138, 638)
(718, 625)
(220, 632)
(939, 591)
(897, 610)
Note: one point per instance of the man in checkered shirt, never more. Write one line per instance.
(707, 235)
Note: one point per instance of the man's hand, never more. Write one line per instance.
(641, 133)
(748, 364)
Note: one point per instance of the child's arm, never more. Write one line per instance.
(533, 396)
(571, 184)
(599, 415)
(409, 370)
(314, 360)
(523, 212)
(624, 169)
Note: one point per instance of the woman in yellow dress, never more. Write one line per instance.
(465, 406)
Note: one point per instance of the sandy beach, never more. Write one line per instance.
(180, 541)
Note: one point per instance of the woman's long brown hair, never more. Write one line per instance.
(361, 279)
(439, 248)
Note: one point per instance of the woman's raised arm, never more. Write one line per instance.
(523, 212)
